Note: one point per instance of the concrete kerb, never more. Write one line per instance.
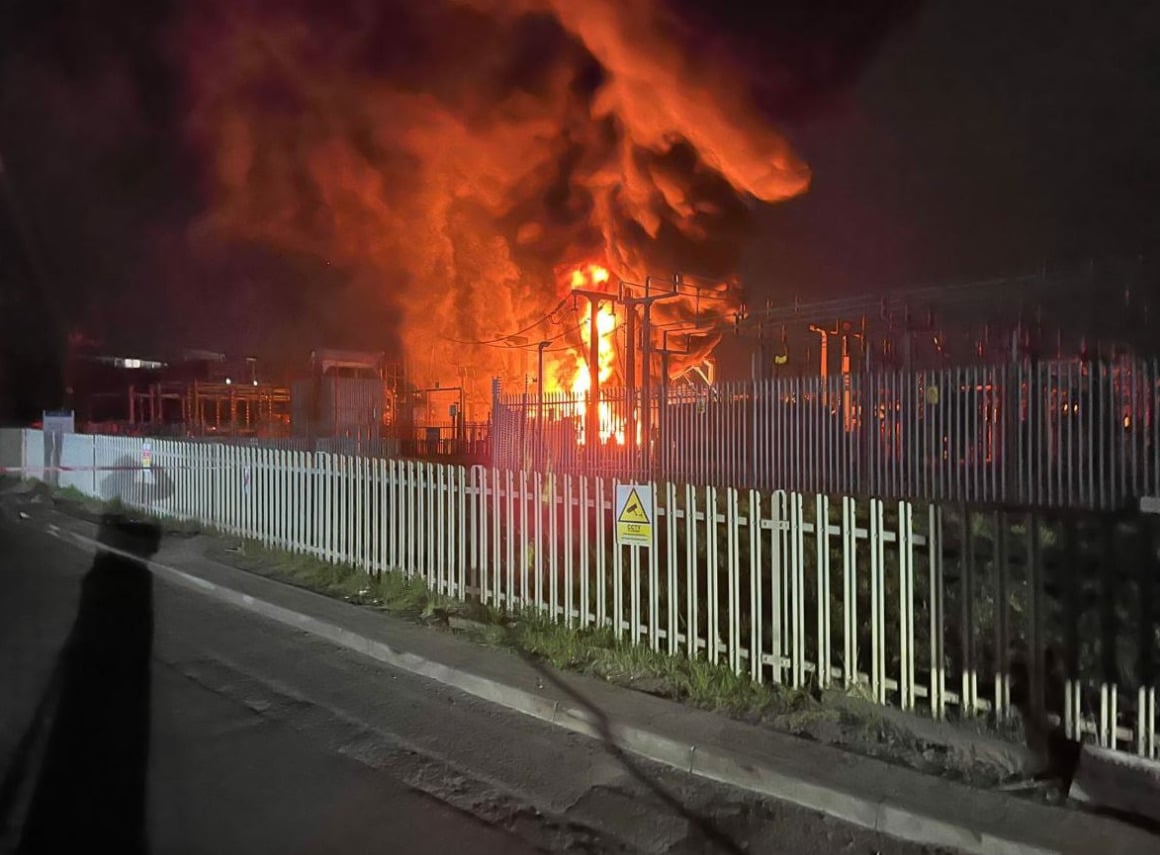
(707, 761)
(725, 766)
(899, 822)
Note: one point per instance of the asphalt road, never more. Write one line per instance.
(142, 714)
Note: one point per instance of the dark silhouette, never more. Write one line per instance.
(90, 791)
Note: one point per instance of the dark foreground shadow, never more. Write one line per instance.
(702, 829)
(89, 793)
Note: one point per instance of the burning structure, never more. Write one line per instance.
(470, 164)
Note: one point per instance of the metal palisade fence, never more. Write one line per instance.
(1048, 434)
(908, 603)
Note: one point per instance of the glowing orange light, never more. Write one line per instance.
(610, 426)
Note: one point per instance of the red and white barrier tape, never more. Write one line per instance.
(22, 470)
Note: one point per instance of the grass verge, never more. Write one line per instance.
(834, 717)
(589, 650)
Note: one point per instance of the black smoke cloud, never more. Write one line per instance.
(280, 175)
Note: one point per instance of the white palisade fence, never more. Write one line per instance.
(784, 587)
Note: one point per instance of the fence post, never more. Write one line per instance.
(537, 504)
(601, 568)
(849, 592)
(936, 592)
(822, 534)
(756, 594)
(654, 626)
(569, 577)
(797, 589)
(712, 578)
(733, 560)
(906, 604)
(473, 529)
(496, 539)
(692, 619)
(877, 604)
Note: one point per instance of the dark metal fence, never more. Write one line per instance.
(468, 443)
(1047, 434)
(459, 443)
(353, 446)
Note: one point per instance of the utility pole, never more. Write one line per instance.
(646, 355)
(592, 414)
(630, 368)
(824, 347)
(540, 403)
(665, 352)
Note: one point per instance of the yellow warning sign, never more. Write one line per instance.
(634, 509)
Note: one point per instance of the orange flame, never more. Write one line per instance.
(430, 187)
(577, 378)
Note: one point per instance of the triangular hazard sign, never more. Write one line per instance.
(633, 511)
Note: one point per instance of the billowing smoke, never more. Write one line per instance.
(455, 158)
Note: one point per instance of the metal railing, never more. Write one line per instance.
(445, 443)
(368, 446)
(1049, 434)
(919, 607)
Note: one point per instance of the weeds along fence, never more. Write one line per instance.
(925, 607)
(1050, 434)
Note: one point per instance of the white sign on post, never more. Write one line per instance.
(59, 421)
(634, 515)
(146, 454)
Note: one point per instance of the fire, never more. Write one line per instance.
(595, 278)
(589, 276)
(439, 159)
(605, 348)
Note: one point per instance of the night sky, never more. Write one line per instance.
(946, 141)
(988, 138)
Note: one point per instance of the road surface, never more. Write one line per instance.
(145, 714)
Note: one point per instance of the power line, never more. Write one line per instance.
(529, 346)
(978, 292)
(504, 338)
